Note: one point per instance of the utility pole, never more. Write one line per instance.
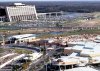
(44, 53)
(3, 39)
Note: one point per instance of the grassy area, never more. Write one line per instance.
(1, 50)
(94, 31)
(46, 35)
(25, 66)
(23, 31)
(78, 32)
(22, 51)
(43, 36)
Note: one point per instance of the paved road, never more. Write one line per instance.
(39, 60)
(35, 49)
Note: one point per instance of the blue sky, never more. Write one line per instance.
(46, 0)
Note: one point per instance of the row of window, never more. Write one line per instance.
(21, 11)
(23, 17)
(26, 40)
(62, 67)
(17, 12)
(2, 19)
(21, 8)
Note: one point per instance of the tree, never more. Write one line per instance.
(44, 49)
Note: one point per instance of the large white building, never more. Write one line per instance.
(21, 12)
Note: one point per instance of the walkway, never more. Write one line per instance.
(9, 60)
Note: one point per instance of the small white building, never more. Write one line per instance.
(23, 38)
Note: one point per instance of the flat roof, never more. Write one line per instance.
(81, 69)
(78, 47)
(18, 4)
(66, 60)
(77, 43)
(90, 44)
(68, 48)
(22, 36)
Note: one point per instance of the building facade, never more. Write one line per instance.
(2, 18)
(23, 38)
(21, 12)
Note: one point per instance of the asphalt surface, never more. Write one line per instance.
(39, 61)
(35, 49)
